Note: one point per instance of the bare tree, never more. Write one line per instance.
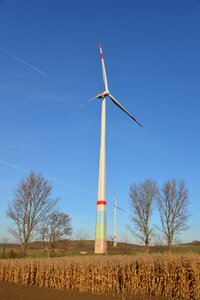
(81, 236)
(4, 242)
(142, 197)
(57, 227)
(30, 205)
(172, 203)
(43, 234)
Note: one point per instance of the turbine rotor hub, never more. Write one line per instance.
(102, 94)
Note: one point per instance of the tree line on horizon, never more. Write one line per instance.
(34, 212)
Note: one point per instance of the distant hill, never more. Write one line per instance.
(77, 247)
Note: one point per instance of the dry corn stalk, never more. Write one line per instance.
(160, 275)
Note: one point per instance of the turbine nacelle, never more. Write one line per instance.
(102, 94)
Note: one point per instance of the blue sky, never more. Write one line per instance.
(49, 65)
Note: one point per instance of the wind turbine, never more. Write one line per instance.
(100, 234)
(115, 220)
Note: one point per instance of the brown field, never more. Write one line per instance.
(123, 276)
(13, 291)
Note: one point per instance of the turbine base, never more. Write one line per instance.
(100, 247)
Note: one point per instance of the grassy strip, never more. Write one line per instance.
(160, 275)
(35, 249)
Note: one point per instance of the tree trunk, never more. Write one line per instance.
(24, 249)
(169, 247)
(43, 245)
(51, 249)
(146, 246)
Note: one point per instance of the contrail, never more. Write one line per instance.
(11, 151)
(4, 163)
(71, 186)
(23, 62)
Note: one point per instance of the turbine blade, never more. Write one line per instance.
(103, 67)
(120, 209)
(124, 109)
(86, 102)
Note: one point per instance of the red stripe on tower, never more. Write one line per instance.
(101, 202)
(101, 55)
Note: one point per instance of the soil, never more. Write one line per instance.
(12, 291)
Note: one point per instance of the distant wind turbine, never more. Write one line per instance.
(100, 234)
(115, 220)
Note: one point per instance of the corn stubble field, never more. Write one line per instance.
(160, 275)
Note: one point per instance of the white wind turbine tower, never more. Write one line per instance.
(100, 234)
(115, 220)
